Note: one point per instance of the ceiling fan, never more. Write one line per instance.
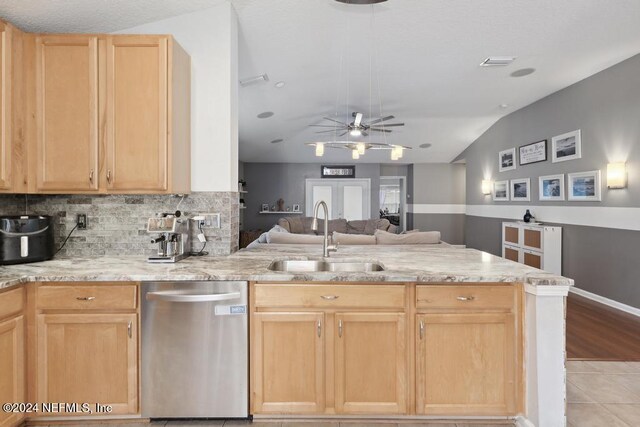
(357, 127)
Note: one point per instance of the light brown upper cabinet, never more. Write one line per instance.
(67, 113)
(12, 147)
(112, 115)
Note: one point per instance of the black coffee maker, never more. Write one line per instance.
(26, 238)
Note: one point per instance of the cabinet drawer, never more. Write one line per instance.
(11, 302)
(466, 297)
(87, 297)
(369, 296)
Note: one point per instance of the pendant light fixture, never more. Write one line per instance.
(359, 127)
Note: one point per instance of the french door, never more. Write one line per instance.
(346, 198)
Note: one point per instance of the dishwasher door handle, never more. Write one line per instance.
(178, 297)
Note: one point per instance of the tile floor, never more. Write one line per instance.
(599, 394)
(603, 394)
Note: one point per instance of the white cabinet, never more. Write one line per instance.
(538, 246)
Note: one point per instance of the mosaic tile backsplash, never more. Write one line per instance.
(117, 223)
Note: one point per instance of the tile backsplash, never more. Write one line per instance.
(117, 223)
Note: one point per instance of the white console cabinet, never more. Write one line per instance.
(538, 246)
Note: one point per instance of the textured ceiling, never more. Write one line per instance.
(428, 54)
(102, 16)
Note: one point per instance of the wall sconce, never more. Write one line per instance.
(616, 175)
(486, 186)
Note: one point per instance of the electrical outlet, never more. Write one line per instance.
(81, 220)
(208, 220)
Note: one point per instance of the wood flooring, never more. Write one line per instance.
(598, 332)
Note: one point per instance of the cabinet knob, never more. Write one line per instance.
(319, 326)
(330, 297)
(340, 328)
(421, 329)
(129, 329)
(462, 298)
(109, 176)
(85, 298)
(91, 176)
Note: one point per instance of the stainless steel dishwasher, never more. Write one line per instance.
(194, 350)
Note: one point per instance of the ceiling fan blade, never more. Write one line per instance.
(329, 118)
(389, 125)
(325, 131)
(358, 120)
(364, 133)
(380, 130)
(381, 120)
(342, 134)
(323, 126)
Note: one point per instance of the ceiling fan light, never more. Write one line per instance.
(355, 132)
(394, 154)
(355, 155)
(361, 148)
(319, 149)
(399, 151)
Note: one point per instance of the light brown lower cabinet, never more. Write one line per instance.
(466, 364)
(339, 349)
(12, 368)
(89, 358)
(370, 363)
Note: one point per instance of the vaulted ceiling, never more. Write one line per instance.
(426, 56)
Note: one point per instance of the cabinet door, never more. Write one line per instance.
(5, 102)
(137, 114)
(67, 113)
(511, 234)
(12, 374)
(511, 253)
(370, 363)
(466, 364)
(532, 258)
(288, 363)
(89, 358)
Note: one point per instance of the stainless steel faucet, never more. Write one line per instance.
(326, 247)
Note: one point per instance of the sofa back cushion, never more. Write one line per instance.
(293, 239)
(367, 226)
(297, 224)
(415, 238)
(353, 239)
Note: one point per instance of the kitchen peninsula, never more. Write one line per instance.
(448, 315)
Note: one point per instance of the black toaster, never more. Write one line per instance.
(26, 238)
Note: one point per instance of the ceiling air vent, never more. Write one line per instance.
(497, 61)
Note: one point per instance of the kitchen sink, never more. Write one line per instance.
(308, 266)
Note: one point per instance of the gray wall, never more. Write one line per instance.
(267, 182)
(606, 107)
(439, 184)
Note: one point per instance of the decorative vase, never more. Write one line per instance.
(527, 216)
(280, 205)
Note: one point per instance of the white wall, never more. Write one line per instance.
(211, 38)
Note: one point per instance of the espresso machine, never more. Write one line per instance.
(173, 241)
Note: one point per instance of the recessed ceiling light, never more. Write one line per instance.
(523, 72)
(254, 80)
(503, 106)
(276, 141)
(279, 84)
(265, 115)
(426, 145)
(497, 61)
(360, 1)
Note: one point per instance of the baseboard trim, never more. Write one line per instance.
(522, 421)
(606, 301)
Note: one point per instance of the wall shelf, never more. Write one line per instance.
(279, 212)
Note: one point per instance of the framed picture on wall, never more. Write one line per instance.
(521, 190)
(551, 188)
(567, 146)
(296, 208)
(533, 153)
(507, 160)
(501, 191)
(264, 207)
(585, 186)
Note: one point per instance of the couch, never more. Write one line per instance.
(302, 225)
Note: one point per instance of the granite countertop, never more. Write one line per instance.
(407, 263)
